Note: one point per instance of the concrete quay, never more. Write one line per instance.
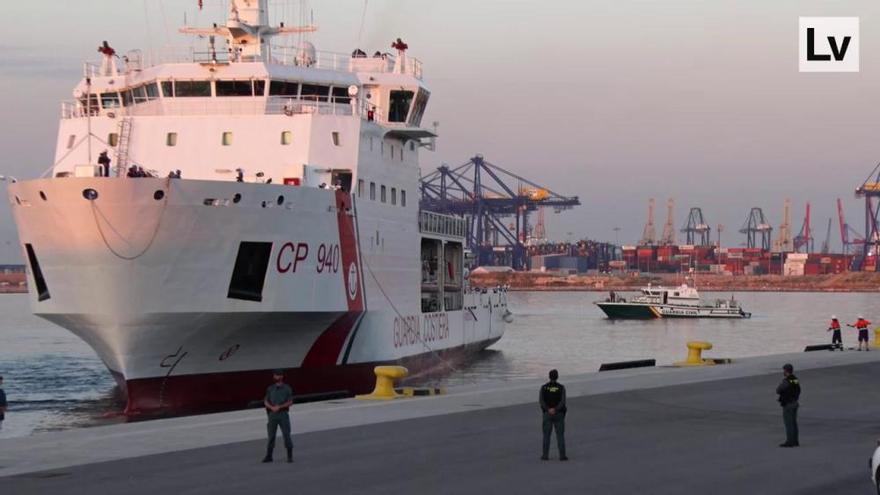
(651, 430)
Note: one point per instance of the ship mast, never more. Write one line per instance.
(247, 30)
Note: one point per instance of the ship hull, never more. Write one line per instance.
(636, 311)
(242, 389)
(148, 275)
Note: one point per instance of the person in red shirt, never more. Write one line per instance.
(836, 339)
(861, 325)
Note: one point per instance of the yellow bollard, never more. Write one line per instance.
(877, 337)
(695, 358)
(385, 376)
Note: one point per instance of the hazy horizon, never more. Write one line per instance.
(613, 101)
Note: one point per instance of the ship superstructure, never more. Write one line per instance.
(215, 214)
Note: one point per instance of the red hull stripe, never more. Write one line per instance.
(328, 346)
(351, 273)
(236, 390)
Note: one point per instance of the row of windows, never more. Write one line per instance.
(393, 149)
(225, 139)
(383, 196)
(223, 88)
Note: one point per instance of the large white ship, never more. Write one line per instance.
(260, 210)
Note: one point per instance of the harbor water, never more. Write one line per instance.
(55, 381)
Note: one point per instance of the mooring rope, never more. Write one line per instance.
(96, 211)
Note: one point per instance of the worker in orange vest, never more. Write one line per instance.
(861, 325)
(836, 339)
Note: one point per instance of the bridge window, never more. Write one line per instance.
(373, 191)
(419, 108)
(360, 187)
(227, 138)
(168, 89)
(260, 87)
(286, 138)
(234, 88)
(127, 98)
(152, 90)
(110, 100)
(314, 92)
(113, 139)
(402, 197)
(340, 95)
(382, 195)
(399, 107)
(171, 139)
(185, 89)
(335, 136)
(139, 94)
(283, 88)
(394, 195)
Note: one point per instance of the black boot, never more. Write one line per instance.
(289, 455)
(268, 457)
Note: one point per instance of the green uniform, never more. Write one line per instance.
(276, 395)
(552, 396)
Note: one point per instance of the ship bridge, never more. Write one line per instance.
(158, 109)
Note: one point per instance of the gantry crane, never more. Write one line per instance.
(757, 230)
(486, 194)
(696, 230)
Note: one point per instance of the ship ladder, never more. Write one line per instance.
(124, 133)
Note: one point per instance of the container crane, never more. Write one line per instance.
(870, 190)
(756, 227)
(486, 194)
(804, 238)
(649, 233)
(696, 230)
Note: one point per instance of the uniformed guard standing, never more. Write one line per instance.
(789, 392)
(552, 401)
(836, 339)
(279, 398)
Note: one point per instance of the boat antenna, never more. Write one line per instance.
(89, 116)
(363, 19)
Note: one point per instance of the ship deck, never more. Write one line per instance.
(653, 430)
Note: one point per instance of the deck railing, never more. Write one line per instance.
(137, 60)
(437, 223)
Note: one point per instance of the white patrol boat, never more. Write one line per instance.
(662, 302)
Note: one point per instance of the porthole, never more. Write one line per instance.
(43, 195)
(280, 200)
(236, 198)
(158, 195)
(264, 204)
(90, 194)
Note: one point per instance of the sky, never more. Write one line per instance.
(615, 101)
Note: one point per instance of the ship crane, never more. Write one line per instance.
(483, 193)
(696, 230)
(870, 190)
(846, 241)
(804, 238)
(757, 230)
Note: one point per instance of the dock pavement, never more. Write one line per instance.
(657, 430)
